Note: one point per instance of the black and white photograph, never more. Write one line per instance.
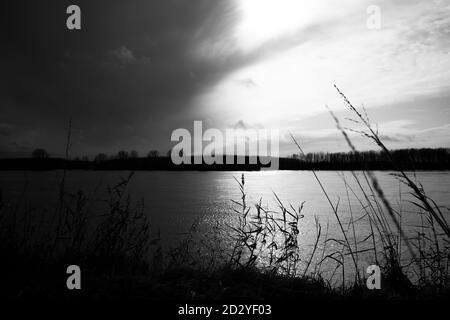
(225, 158)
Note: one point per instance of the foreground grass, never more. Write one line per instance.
(264, 260)
(187, 284)
(112, 254)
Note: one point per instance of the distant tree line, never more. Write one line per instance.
(406, 159)
(410, 159)
(122, 154)
(126, 155)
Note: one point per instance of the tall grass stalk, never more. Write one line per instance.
(335, 211)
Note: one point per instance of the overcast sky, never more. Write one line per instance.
(137, 70)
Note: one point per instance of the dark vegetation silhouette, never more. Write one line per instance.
(100, 157)
(411, 159)
(122, 155)
(153, 154)
(40, 154)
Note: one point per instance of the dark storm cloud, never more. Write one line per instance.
(127, 78)
(5, 129)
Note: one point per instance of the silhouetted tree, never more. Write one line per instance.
(122, 155)
(153, 154)
(40, 154)
(101, 157)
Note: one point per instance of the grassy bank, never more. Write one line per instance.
(120, 258)
(264, 258)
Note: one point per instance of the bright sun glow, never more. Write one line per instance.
(262, 20)
(311, 46)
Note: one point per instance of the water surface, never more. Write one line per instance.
(175, 200)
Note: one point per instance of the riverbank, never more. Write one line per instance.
(119, 258)
(410, 160)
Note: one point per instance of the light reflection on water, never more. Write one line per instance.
(175, 200)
